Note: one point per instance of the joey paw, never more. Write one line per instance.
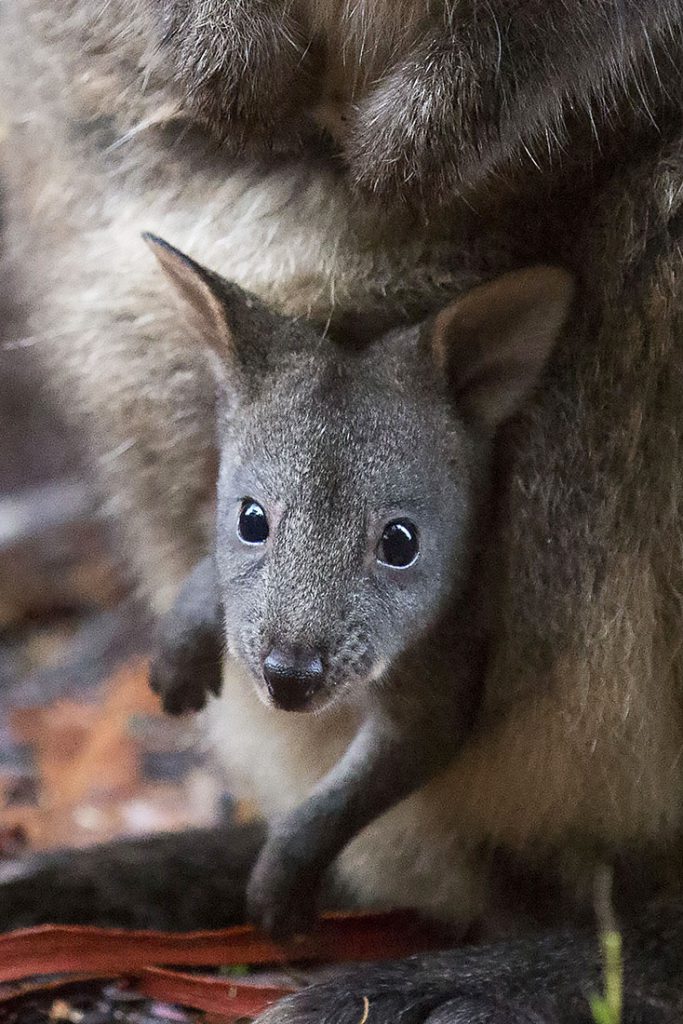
(184, 676)
(281, 895)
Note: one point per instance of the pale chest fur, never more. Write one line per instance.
(273, 759)
(523, 781)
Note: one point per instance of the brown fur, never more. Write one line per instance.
(580, 744)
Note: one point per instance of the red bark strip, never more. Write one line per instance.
(229, 999)
(60, 949)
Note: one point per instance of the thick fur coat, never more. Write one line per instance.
(370, 159)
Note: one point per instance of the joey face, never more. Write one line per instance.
(343, 528)
(350, 475)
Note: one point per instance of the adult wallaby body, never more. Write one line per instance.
(559, 128)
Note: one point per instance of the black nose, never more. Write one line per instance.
(293, 676)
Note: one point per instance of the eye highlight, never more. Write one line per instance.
(398, 546)
(252, 524)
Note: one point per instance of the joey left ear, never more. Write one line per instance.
(232, 323)
(493, 343)
(199, 288)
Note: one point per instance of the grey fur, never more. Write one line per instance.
(544, 980)
(564, 138)
(188, 644)
(421, 99)
(334, 439)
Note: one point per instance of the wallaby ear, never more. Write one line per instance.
(238, 330)
(493, 343)
(203, 293)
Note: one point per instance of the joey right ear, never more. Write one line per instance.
(493, 343)
(231, 322)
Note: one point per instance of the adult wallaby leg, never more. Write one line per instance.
(171, 881)
(547, 980)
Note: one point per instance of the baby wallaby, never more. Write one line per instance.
(352, 494)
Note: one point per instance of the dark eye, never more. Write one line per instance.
(252, 525)
(398, 546)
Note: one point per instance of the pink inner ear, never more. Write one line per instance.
(493, 343)
(191, 282)
(497, 391)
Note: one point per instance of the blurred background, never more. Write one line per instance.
(85, 752)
